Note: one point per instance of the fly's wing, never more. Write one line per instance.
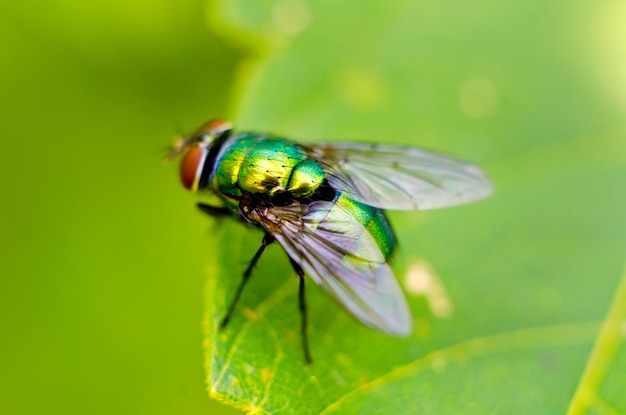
(342, 257)
(402, 178)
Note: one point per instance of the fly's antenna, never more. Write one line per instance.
(179, 144)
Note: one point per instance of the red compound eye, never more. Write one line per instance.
(215, 127)
(190, 167)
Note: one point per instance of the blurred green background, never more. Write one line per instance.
(103, 256)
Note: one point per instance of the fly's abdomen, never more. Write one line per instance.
(266, 166)
(375, 222)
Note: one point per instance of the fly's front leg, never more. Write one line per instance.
(216, 211)
(304, 321)
(267, 239)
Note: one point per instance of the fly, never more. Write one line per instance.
(324, 205)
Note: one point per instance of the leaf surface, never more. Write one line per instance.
(510, 296)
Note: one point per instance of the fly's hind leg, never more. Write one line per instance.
(304, 321)
(267, 239)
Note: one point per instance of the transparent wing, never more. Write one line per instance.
(402, 178)
(342, 257)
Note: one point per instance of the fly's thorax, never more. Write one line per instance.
(227, 168)
(265, 166)
(306, 177)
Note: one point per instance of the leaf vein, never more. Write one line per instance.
(277, 295)
(274, 370)
(566, 334)
(602, 354)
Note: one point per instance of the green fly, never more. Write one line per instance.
(323, 204)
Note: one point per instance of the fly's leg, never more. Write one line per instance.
(217, 211)
(267, 239)
(303, 313)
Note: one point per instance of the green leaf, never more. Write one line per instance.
(513, 291)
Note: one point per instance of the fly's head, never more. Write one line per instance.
(195, 149)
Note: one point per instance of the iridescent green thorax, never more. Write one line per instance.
(265, 166)
(373, 219)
